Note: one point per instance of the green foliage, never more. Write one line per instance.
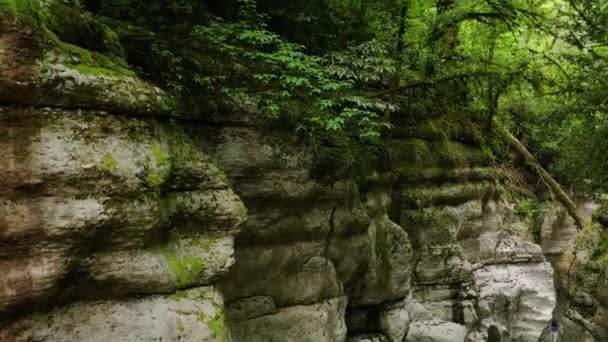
(562, 113)
(527, 208)
(185, 259)
(363, 63)
(243, 62)
(356, 68)
(161, 15)
(320, 25)
(30, 10)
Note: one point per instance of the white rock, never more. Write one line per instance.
(192, 315)
(520, 297)
(394, 321)
(436, 331)
(321, 322)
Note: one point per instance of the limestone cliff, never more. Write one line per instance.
(108, 209)
(579, 259)
(120, 221)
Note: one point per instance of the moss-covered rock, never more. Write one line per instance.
(196, 259)
(601, 215)
(77, 198)
(389, 268)
(413, 157)
(55, 54)
(61, 21)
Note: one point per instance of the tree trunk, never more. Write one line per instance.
(557, 190)
(398, 53)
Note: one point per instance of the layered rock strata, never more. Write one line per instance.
(120, 221)
(107, 209)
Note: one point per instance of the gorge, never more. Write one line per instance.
(123, 219)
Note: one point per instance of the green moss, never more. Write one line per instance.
(217, 326)
(425, 196)
(527, 207)
(414, 155)
(30, 11)
(81, 54)
(159, 166)
(107, 164)
(455, 154)
(154, 178)
(348, 159)
(86, 31)
(28, 7)
(187, 269)
(10, 6)
(96, 71)
(186, 257)
(94, 63)
(422, 153)
(218, 173)
(162, 160)
(437, 161)
(188, 162)
(90, 46)
(187, 266)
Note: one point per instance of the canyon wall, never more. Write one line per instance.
(122, 221)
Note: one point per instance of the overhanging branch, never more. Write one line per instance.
(450, 78)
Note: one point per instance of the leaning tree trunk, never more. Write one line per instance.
(557, 190)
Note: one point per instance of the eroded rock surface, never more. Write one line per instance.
(581, 275)
(191, 315)
(106, 211)
(121, 222)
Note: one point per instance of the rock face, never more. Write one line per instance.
(106, 211)
(420, 249)
(120, 222)
(192, 315)
(580, 274)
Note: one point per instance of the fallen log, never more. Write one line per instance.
(553, 185)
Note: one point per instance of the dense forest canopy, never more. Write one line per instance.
(355, 68)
